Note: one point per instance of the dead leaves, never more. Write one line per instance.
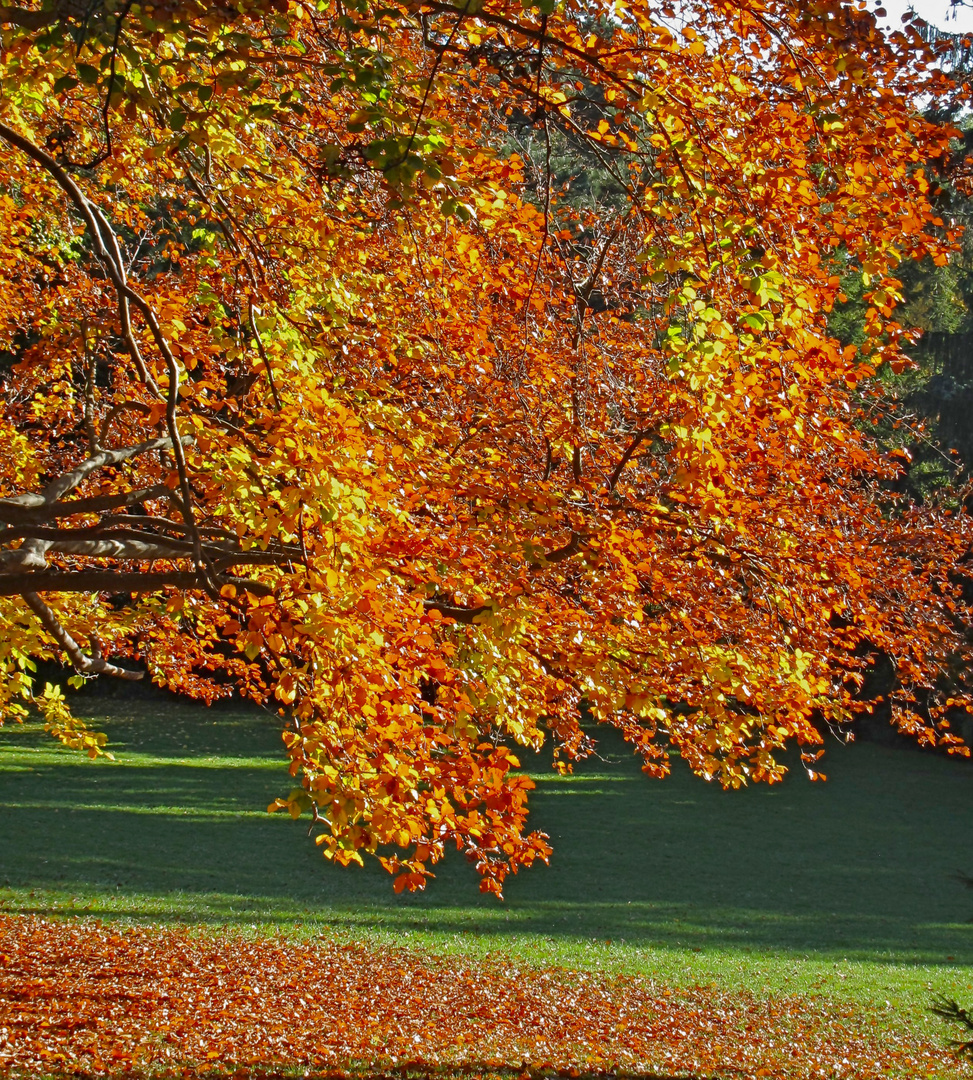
(88, 998)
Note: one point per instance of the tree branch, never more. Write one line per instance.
(119, 581)
(106, 248)
(69, 480)
(572, 547)
(95, 664)
(31, 555)
(637, 438)
(467, 616)
(14, 510)
(114, 548)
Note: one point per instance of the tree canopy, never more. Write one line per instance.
(320, 386)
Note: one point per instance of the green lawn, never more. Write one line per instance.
(844, 888)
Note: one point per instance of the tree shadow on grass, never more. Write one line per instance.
(859, 868)
(602, 927)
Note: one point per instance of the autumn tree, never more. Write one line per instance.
(306, 394)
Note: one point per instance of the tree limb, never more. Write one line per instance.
(637, 438)
(467, 616)
(31, 555)
(572, 547)
(119, 581)
(69, 480)
(32, 510)
(95, 664)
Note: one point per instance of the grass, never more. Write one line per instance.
(844, 889)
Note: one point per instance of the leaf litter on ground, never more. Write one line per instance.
(87, 998)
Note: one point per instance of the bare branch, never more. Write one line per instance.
(159, 548)
(73, 477)
(15, 511)
(119, 581)
(31, 555)
(68, 481)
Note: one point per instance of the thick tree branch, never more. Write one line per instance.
(119, 581)
(70, 480)
(73, 477)
(15, 511)
(31, 555)
(119, 548)
(79, 541)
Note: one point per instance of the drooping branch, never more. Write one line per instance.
(95, 664)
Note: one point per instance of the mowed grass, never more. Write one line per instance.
(844, 889)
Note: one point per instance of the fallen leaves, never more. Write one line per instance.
(83, 997)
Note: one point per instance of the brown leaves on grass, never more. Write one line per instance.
(86, 998)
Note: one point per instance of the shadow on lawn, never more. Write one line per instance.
(858, 868)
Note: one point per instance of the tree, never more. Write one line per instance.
(314, 390)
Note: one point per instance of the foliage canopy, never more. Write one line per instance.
(316, 390)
